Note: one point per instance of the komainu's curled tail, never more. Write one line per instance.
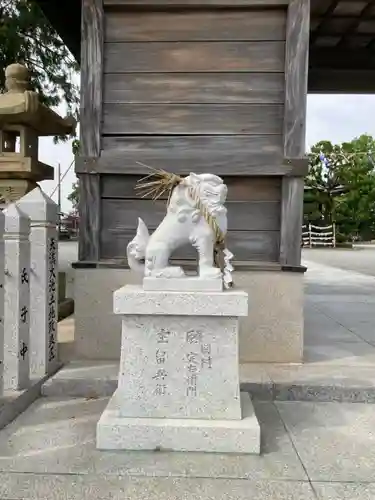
(136, 249)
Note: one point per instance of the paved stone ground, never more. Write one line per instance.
(360, 258)
(345, 297)
(309, 451)
(321, 451)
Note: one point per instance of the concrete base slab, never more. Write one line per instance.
(267, 334)
(65, 339)
(223, 436)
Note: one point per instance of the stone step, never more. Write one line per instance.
(265, 382)
(83, 379)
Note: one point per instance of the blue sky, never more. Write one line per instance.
(336, 118)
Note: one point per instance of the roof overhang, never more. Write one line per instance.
(342, 46)
(65, 17)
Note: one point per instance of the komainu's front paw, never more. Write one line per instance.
(168, 272)
(210, 272)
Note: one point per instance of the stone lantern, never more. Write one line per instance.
(23, 119)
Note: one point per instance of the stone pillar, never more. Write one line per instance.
(179, 375)
(2, 228)
(43, 213)
(16, 299)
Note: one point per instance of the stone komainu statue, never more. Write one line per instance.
(195, 214)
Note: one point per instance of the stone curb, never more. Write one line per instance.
(13, 403)
(309, 392)
(98, 388)
(66, 308)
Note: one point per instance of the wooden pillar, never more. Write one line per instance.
(296, 74)
(91, 115)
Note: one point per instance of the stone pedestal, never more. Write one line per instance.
(178, 384)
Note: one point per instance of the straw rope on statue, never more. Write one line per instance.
(160, 182)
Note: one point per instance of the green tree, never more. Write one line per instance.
(356, 208)
(74, 195)
(324, 181)
(340, 186)
(27, 37)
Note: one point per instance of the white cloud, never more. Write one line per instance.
(337, 118)
(53, 154)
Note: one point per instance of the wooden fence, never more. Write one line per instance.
(28, 290)
(315, 236)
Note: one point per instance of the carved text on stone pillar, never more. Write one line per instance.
(198, 358)
(161, 375)
(52, 313)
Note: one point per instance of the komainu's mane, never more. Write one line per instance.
(157, 183)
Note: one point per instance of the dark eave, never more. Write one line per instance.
(65, 17)
(342, 46)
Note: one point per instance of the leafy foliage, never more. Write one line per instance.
(74, 195)
(340, 186)
(27, 37)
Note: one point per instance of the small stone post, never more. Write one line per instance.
(2, 227)
(43, 213)
(16, 299)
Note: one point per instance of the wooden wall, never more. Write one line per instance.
(194, 90)
(198, 86)
(253, 216)
(193, 86)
